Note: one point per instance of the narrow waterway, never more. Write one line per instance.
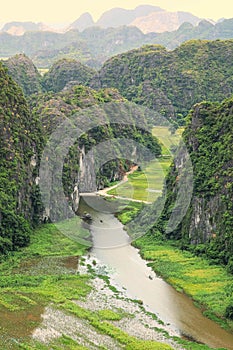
(111, 246)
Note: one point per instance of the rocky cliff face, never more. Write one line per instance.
(83, 171)
(208, 223)
(87, 176)
(66, 73)
(19, 28)
(24, 72)
(118, 16)
(171, 82)
(19, 147)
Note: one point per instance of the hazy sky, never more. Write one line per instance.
(69, 10)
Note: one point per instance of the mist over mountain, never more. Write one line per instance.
(94, 45)
(163, 21)
(83, 22)
(19, 28)
(147, 18)
(118, 16)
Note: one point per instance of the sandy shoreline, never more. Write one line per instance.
(136, 322)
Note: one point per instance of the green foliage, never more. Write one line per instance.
(129, 212)
(94, 45)
(229, 311)
(170, 82)
(65, 72)
(208, 284)
(16, 228)
(20, 137)
(52, 108)
(23, 71)
(109, 315)
(230, 266)
(208, 136)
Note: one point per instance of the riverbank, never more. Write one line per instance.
(111, 246)
(53, 298)
(210, 286)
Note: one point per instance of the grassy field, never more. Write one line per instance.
(42, 273)
(42, 71)
(147, 184)
(209, 285)
(166, 138)
(45, 273)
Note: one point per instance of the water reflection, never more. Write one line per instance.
(132, 273)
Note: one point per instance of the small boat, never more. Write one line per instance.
(87, 217)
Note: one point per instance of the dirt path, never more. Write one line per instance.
(125, 179)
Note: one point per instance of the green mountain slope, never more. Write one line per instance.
(19, 144)
(207, 226)
(78, 104)
(95, 45)
(67, 71)
(170, 82)
(204, 31)
(23, 71)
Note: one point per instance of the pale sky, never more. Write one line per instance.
(70, 10)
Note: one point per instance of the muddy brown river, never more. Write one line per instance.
(111, 245)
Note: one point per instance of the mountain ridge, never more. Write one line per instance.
(160, 21)
(83, 22)
(94, 45)
(119, 16)
(171, 82)
(165, 21)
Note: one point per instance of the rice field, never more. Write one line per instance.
(146, 184)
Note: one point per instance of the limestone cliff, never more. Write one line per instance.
(208, 223)
(19, 147)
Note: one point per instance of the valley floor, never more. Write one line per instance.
(51, 298)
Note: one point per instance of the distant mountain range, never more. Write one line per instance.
(163, 21)
(119, 16)
(95, 45)
(19, 28)
(145, 17)
(83, 22)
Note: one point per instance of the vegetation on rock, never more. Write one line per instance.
(65, 73)
(207, 226)
(171, 82)
(95, 45)
(20, 140)
(23, 71)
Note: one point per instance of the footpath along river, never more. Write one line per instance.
(111, 246)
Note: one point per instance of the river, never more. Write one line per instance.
(111, 245)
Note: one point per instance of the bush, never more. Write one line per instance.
(229, 311)
(230, 266)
